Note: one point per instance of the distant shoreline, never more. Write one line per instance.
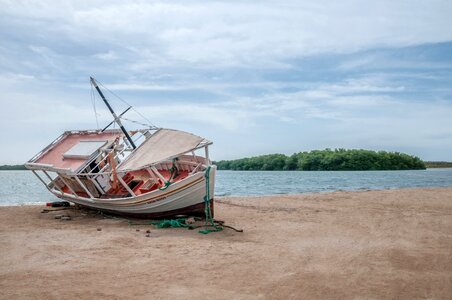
(438, 164)
(12, 167)
(428, 168)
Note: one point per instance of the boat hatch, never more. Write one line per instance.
(84, 149)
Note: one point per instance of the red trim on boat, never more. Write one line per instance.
(192, 210)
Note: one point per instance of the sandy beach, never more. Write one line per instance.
(391, 244)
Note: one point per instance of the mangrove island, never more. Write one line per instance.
(327, 160)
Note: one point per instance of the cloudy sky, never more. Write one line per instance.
(255, 77)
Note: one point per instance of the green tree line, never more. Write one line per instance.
(12, 167)
(438, 164)
(327, 160)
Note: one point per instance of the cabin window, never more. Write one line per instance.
(84, 149)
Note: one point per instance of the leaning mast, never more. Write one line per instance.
(116, 118)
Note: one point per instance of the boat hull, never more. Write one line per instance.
(185, 197)
(197, 210)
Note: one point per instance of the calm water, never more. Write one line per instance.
(21, 187)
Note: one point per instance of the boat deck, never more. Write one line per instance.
(54, 156)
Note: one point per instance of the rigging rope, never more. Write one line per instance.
(174, 173)
(124, 101)
(93, 100)
(139, 123)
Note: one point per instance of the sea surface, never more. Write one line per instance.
(22, 187)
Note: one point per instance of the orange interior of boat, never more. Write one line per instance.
(134, 183)
(140, 182)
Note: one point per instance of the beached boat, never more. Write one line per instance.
(151, 172)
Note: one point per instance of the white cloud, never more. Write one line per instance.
(110, 55)
(249, 61)
(208, 34)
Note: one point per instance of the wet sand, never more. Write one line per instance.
(392, 244)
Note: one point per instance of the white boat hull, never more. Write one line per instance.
(182, 197)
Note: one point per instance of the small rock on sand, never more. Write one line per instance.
(190, 220)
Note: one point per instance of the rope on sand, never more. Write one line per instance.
(210, 224)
